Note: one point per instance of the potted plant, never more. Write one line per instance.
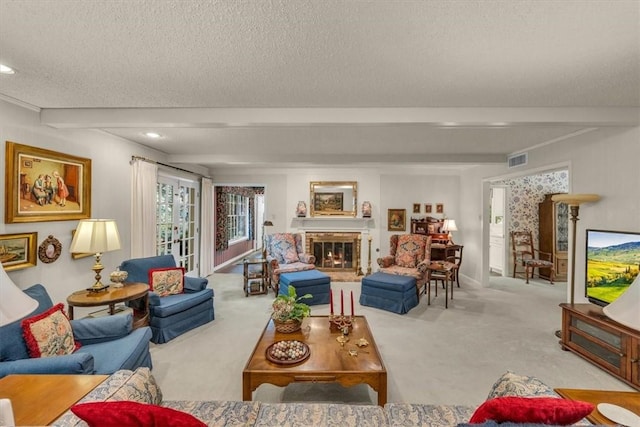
(288, 311)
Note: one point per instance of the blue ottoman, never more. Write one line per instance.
(389, 292)
(312, 282)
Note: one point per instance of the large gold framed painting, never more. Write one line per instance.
(44, 185)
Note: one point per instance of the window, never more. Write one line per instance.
(238, 217)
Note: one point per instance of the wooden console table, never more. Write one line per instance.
(589, 333)
(38, 400)
(627, 399)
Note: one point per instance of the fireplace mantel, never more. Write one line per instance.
(332, 223)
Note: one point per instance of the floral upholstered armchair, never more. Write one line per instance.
(410, 256)
(285, 254)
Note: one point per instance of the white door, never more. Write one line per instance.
(177, 231)
(497, 238)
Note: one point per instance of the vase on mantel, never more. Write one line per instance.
(288, 326)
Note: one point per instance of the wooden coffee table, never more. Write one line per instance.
(39, 400)
(627, 399)
(329, 362)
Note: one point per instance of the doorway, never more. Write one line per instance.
(177, 219)
(497, 231)
(523, 193)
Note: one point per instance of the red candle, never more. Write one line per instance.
(331, 300)
(351, 303)
(341, 303)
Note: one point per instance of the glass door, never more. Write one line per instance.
(177, 232)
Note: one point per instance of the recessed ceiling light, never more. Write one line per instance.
(153, 135)
(6, 70)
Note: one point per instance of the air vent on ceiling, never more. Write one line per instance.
(517, 160)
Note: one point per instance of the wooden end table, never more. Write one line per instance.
(253, 275)
(110, 297)
(329, 362)
(39, 400)
(627, 399)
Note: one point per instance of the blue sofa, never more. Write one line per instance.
(108, 343)
(172, 315)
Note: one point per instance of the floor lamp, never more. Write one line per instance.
(574, 201)
(267, 223)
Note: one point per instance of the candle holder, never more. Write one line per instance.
(340, 323)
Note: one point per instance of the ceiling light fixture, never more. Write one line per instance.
(153, 135)
(6, 70)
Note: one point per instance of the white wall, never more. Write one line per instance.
(603, 162)
(110, 197)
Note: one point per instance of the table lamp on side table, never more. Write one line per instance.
(448, 226)
(96, 236)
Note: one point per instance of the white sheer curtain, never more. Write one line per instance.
(207, 228)
(143, 208)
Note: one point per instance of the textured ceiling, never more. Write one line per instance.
(307, 57)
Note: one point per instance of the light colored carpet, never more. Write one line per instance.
(432, 355)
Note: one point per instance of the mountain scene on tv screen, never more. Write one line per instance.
(612, 269)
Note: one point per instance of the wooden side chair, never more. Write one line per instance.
(530, 258)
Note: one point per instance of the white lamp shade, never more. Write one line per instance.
(626, 309)
(95, 236)
(14, 304)
(449, 225)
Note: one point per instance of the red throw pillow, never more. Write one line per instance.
(132, 414)
(167, 281)
(543, 410)
(49, 333)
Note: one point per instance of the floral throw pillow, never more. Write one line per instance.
(167, 281)
(283, 248)
(49, 333)
(410, 250)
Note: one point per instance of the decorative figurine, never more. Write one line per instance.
(366, 209)
(301, 209)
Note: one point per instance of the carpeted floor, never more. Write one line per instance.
(432, 354)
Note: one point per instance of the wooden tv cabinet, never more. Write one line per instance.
(589, 333)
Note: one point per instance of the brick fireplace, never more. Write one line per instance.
(334, 251)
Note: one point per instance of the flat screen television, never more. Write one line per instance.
(613, 262)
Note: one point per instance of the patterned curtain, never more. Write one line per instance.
(222, 232)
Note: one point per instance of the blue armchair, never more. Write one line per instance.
(108, 345)
(172, 315)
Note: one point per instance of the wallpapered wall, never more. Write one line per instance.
(525, 194)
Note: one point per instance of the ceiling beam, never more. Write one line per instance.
(85, 118)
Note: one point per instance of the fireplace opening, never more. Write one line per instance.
(334, 251)
(332, 255)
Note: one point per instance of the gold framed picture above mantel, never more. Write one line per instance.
(333, 198)
(44, 185)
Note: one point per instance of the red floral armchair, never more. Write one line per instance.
(285, 254)
(410, 256)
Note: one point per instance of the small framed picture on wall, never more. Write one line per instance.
(416, 208)
(439, 208)
(427, 208)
